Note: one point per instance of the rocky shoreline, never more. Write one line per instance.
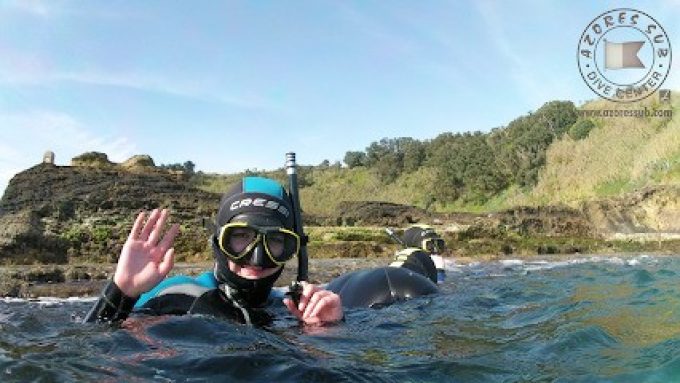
(69, 224)
(78, 214)
(64, 281)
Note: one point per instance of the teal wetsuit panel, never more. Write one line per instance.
(205, 280)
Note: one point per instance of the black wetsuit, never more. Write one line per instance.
(380, 286)
(180, 295)
(413, 277)
(410, 276)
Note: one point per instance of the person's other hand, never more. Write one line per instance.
(146, 258)
(317, 306)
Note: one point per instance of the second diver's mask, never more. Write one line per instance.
(433, 245)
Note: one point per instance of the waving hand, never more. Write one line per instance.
(146, 258)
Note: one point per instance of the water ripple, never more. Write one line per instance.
(592, 319)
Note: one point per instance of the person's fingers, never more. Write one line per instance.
(314, 302)
(307, 292)
(169, 237)
(157, 228)
(136, 226)
(310, 306)
(168, 261)
(328, 303)
(150, 223)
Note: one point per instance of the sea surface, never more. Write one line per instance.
(592, 319)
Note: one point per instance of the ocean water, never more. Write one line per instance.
(593, 319)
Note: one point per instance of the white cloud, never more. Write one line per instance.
(33, 7)
(28, 70)
(56, 10)
(144, 82)
(25, 138)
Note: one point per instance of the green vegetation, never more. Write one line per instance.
(74, 235)
(92, 159)
(548, 156)
(327, 234)
(581, 129)
(101, 234)
(187, 167)
(619, 155)
(557, 154)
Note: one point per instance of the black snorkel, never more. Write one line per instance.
(394, 237)
(291, 170)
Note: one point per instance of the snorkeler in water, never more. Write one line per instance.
(252, 240)
(425, 239)
(257, 230)
(413, 273)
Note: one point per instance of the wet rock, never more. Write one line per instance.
(351, 213)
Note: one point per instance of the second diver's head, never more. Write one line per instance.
(425, 238)
(253, 238)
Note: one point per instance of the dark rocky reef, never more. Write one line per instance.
(57, 214)
(365, 213)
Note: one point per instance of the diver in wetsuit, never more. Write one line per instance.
(412, 274)
(426, 239)
(252, 240)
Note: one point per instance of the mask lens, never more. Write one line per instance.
(282, 245)
(237, 240)
(434, 245)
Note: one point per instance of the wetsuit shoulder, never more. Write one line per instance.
(180, 283)
(380, 286)
(175, 295)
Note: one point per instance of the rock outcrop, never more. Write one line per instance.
(649, 210)
(352, 213)
(92, 159)
(139, 161)
(55, 214)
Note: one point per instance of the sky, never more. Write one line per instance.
(234, 85)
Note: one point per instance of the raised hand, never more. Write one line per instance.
(317, 306)
(146, 258)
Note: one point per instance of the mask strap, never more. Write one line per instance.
(229, 293)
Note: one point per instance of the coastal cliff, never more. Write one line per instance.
(82, 213)
(54, 214)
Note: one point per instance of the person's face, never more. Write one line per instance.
(241, 238)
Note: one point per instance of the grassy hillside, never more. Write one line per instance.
(528, 162)
(621, 154)
(323, 188)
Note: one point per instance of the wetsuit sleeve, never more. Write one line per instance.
(112, 306)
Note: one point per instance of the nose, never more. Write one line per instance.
(258, 258)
